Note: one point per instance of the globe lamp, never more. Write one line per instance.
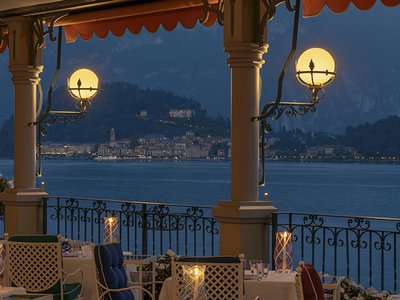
(315, 68)
(83, 85)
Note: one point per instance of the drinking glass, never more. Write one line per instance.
(75, 247)
(253, 267)
(266, 269)
(260, 270)
(86, 249)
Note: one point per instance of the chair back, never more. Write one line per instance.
(223, 277)
(308, 283)
(110, 271)
(35, 263)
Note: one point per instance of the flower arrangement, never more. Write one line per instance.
(350, 290)
(6, 183)
(163, 269)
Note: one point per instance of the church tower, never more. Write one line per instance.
(113, 144)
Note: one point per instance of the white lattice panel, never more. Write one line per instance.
(222, 281)
(34, 266)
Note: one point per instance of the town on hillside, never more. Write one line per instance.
(186, 147)
(192, 147)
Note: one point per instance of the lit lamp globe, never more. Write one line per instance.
(83, 85)
(315, 68)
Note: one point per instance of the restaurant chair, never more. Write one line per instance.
(34, 262)
(223, 277)
(309, 285)
(112, 281)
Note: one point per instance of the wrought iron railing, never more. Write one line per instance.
(358, 247)
(144, 228)
(362, 248)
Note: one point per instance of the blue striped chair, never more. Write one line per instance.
(112, 281)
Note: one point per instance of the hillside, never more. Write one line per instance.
(370, 139)
(118, 105)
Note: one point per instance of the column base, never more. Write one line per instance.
(23, 211)
(245, 228)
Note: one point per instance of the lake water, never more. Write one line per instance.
(355, 189)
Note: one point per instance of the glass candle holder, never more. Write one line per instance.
(283, 252)
(111, 230)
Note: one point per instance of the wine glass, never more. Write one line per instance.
(254, 270)
(266, 270)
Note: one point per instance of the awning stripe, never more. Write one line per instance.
(168, 13)
(314, 7)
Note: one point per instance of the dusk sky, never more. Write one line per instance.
(365, 44)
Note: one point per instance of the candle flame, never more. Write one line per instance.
(196, 271)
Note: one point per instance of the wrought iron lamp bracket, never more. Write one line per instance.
(270, 11)
(219, 11)
(274, 110)
(3, 36)
(49, 117)
(40, 33)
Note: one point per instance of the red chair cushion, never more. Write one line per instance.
(312, 285)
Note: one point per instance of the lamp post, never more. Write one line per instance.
(315, 68)
(83, 85)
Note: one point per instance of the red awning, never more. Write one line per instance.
(167, 13)
(314, 7)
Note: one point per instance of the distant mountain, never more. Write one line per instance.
(376, 139)
(379, 138)
(118, 105)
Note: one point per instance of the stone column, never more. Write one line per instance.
(23, 213)
(243, 220)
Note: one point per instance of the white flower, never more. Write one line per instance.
(171, 253)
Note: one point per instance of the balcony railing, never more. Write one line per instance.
(144, 228)
(362, 248)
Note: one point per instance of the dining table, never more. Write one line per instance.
(87, 277)
(275, 286)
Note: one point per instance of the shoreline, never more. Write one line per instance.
(374, 160)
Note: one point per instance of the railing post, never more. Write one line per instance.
(44, 204)
(144, 229)
(274, 231)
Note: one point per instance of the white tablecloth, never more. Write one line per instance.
(87, 264)
(274, 287)
(9, 291)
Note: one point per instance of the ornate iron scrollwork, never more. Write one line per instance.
(270, 10)
(3, 37)
(219, 11)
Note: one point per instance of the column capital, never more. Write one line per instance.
(245, 55)
(25, 74)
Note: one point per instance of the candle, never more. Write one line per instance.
(111, 230)
(285, 238)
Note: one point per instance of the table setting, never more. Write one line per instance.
(259, 281)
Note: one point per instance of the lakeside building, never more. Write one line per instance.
(181, 113)
(331, 150)
(67, 150)
(120, 148)
(187, 146)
